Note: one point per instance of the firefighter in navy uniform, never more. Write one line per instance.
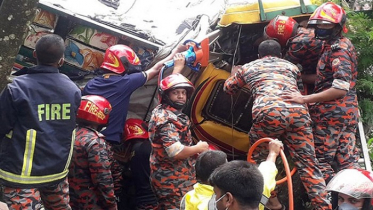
(334, 107)
(90, 178)
(37, 114)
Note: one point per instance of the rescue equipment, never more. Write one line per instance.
(286, 165)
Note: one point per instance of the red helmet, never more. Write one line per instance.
(357, 183)
(174, 81)
(94, 109)
(121, 59)
(135, 129)
(281, 28)
(328, 13)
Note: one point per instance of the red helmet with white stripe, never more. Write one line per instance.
(135, 129)
(121, 59)
(327, 13)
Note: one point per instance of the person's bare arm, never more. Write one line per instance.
(274, 147)
(327, 95)
(153, 71)
(192, 150)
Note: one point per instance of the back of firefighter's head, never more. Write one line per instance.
(269, 48)
(352, 189)
(281, 28)
(93, 111)
(329, 21)
(175, 90)
(49, 50)
(121, 59)
(135, 129)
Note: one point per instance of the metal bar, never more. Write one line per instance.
(261, 10)
(303, 7)
(364, 147)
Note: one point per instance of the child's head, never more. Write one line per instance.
(207, 162)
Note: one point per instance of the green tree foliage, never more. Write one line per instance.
(360, 24)
(361, 35)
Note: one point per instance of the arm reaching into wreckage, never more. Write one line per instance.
(154, 70)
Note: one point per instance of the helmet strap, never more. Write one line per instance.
(326, 34)
(168, 101)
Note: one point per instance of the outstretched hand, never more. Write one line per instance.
(179, 62)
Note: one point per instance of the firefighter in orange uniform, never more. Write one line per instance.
(300, 46)
(173, 156)
(90, 179)
(333, 106)
(268, 78)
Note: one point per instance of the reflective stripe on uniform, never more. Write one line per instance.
(10, 134)
(28, 155)
(71, 150)
(21, 179)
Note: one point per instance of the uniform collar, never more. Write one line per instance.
(37, 69)
(166, 106)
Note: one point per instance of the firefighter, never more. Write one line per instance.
(267, 78)
(90, 179)
(173, 155)
(37, 115)
(123, 75)
(300, 46)
(139, 148)
(333, 106)
(352, 189)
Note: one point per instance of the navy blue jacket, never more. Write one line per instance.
(37, 114)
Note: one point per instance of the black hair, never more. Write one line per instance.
(207, 162)
(269, 47)
(49, 49)
(242, 179)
